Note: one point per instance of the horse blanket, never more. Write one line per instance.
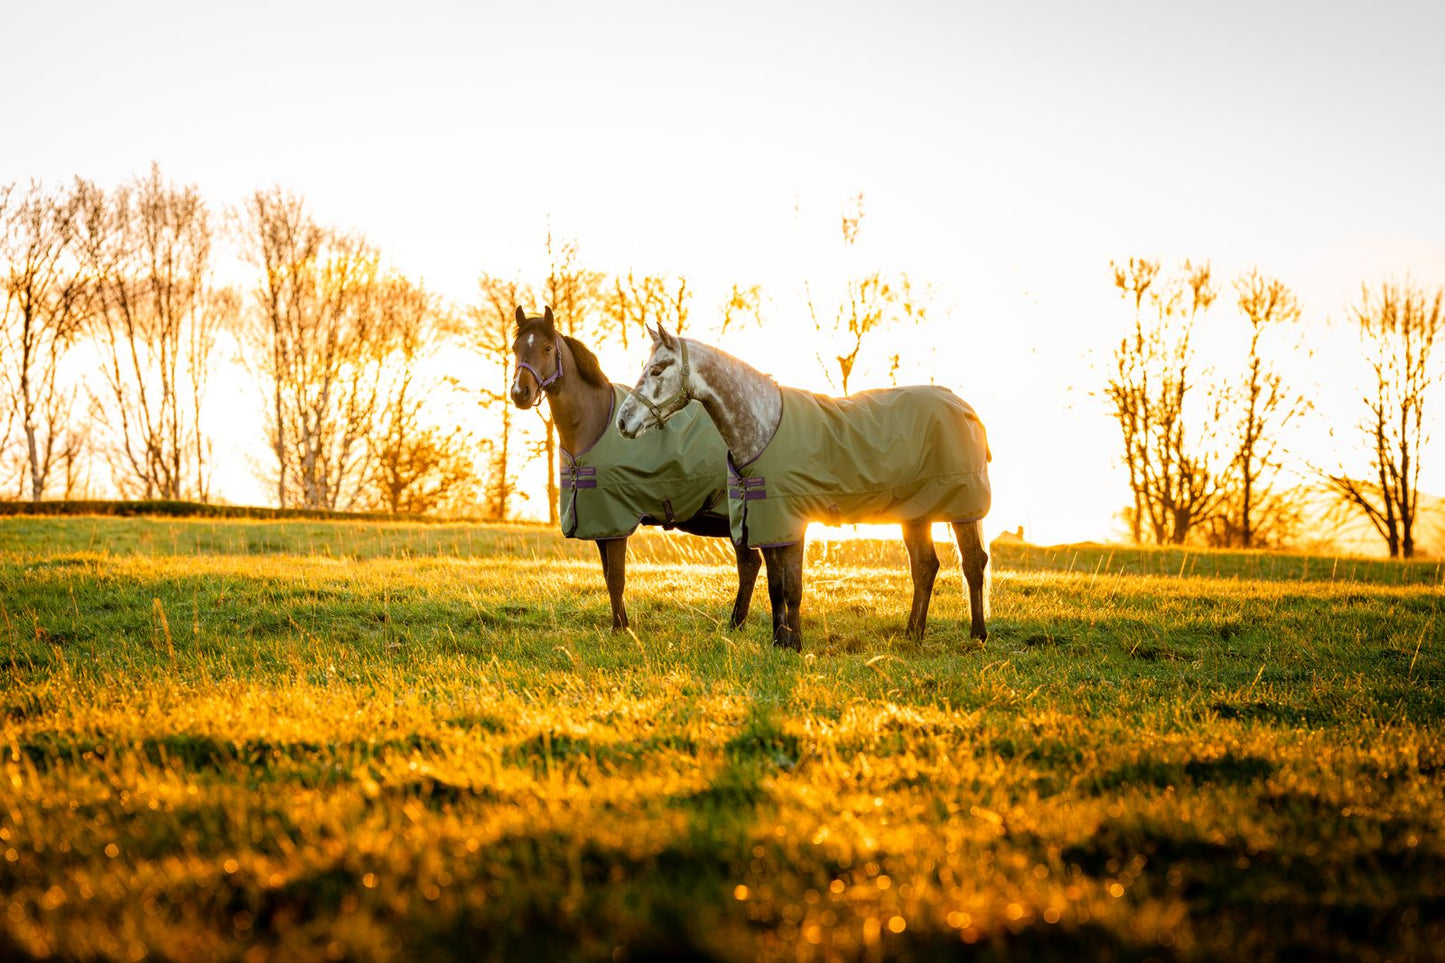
(664, 477)
(893, 455)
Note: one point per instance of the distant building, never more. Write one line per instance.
(1015, 537)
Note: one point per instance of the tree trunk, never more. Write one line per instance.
(504, 485)
(1246, 532)
(37, 474)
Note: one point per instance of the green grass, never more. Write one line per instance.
(245, 739)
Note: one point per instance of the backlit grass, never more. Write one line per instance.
(326, 740)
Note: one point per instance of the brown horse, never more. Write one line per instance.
(912, 455)
(604, 499)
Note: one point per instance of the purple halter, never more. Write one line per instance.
(541, 384)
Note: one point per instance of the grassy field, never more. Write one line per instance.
(231, 739)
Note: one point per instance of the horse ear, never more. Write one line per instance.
(548, 315)
(521, 316)
(664, 336)
(656, 338)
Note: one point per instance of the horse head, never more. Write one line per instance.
(664, 388)
(537, 353)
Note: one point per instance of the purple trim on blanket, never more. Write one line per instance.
(611, 410)
(578, 476)
(746, 488)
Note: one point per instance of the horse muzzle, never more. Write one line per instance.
(631, 420)
(524, 395)
(630, 430)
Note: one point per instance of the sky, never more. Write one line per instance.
(1006, 154)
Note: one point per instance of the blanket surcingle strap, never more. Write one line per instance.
(577, 476)
(664, 477)
(894, 455)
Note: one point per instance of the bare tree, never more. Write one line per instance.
(8, 391)
(7, 427)
(1128, 386)
(1187, 490)
(573, 291)
(416, 467)
(222, 311)
(1398, 327)
(321, 340)
(868, 303)
(1253, 511)
(1167, 449)
(742, 305)
(420, 469)
(491, 333)
(155, 323)
(46, 296)
(635, 302)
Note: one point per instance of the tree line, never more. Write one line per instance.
(1205, 454)
(115, 323)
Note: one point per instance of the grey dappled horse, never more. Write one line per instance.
(747, 407)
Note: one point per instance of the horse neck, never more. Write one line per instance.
(744, 403)
(580, 409)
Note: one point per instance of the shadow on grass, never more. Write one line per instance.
(564, 894)
(200, 753)
(1227, 770)
(1346, 882)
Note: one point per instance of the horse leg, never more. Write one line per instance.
(975, 572)
(793, 565)
(614, 571)
(773, 560)
(749, 561)
(923, 562)
(785, 592)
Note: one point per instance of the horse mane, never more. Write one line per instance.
(586, 363)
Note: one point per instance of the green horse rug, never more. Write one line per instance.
(891, 455)
(674, 478)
